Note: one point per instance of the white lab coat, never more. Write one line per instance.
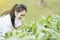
(6, 25)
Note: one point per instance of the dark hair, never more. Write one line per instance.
(17, 8)
(20, 7)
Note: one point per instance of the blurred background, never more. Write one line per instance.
(36, 8)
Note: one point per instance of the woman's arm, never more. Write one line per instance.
(17, 23)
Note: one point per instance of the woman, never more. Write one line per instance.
(11, 19)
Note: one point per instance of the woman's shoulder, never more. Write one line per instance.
(5, 20)
(5, 16)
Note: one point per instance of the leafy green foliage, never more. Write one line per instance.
(47, 28)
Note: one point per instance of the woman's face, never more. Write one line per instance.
(20, 14)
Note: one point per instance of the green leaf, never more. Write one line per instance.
(11, 34)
